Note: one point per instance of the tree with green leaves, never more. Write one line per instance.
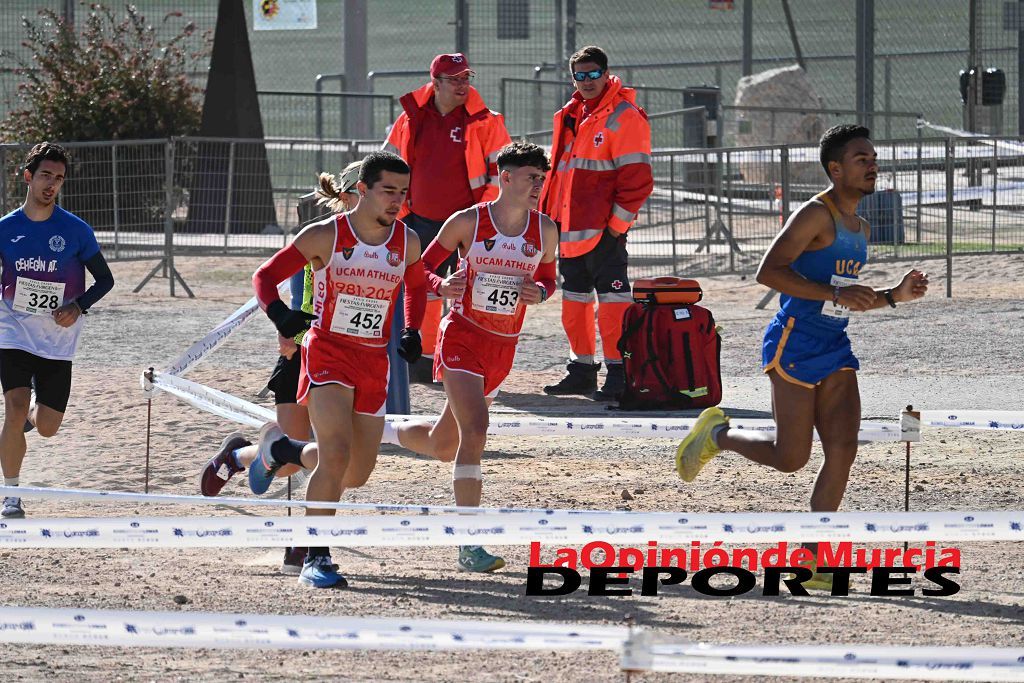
(114, 79)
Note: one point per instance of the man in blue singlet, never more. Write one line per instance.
(45, 252)
(814, 264)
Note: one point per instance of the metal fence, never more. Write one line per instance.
(324, 114)
(666, 43)
(716, 211)
(713, 211)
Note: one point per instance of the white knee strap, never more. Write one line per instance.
(466, 472)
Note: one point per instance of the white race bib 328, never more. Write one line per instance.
(37, 297)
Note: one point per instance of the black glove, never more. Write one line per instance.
(288, 321)
(410, 348)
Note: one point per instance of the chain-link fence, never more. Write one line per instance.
(658, 43)
(716, 211)
(713, 211)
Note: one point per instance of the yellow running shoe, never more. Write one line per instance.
(817, 582)
(698, 447)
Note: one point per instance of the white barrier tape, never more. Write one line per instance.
(649, 428)
(247, 413)
(211, 341)
(974, 419)
(213, 401)
(977, 137)
(642, 653)
(293, 632)
(509, 529)
(167, 499)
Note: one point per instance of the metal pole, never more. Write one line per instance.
(228, 199)
(356, 66)
(784, 179)
(747, 65)
(117, 224)
(559, 35)
(318, 86)
(1020, 67)
(570, 28)
(920, 179)
(792, 35)
(888, 102)
(995, 186)
(462, 26)
(169, 218)
(865, 60)
(149, 424)
(3, 179)
(69, 11)
(950, 151)
(728, 206)
(972, 66)
(895, 197)
(672, 206)
(706, 182)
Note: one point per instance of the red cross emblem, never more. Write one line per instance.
(598, 139)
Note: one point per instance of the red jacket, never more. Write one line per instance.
(485, 136)
(601, 168)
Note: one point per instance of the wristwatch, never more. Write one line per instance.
(888, 297)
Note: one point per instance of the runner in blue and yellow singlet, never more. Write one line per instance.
(815, 264)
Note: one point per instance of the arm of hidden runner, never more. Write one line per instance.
(804, 227)
(543, 284)
(410, 346)
(456, 233)
(313, 245)
(103, 282)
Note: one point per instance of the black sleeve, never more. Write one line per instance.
(104, 282)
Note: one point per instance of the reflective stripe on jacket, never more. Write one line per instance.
(485, 135)
(601, 168)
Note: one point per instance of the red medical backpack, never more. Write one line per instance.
(671, 349)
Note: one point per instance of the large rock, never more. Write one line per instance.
(786, 87)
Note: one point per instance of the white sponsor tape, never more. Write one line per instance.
(974, 419)
(163, 499)
(673, 427)
(208, 630)
(213, 401)
(247, 413)
(643, 653)
(509, 529)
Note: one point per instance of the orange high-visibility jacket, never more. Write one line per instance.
(601, 168)
(485, 135)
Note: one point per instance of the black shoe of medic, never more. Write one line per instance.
(581, 380)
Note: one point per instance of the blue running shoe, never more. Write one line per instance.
(473, 558)
(320, 572)
(262, 469)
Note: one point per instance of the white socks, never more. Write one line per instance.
(390, 434)
(12, 481)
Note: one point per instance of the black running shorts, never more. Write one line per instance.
(284, 381)
(52, 377)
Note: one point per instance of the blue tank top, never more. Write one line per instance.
(838, 264)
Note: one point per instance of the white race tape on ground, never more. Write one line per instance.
(643, 653)
(293, 632)
(649, 428)
(509, 529)
(30, 493)
(213, 401)
(245, 412)
(974, 419)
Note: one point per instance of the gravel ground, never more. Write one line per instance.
(939, 353)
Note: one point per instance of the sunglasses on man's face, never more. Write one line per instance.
(584, 75)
